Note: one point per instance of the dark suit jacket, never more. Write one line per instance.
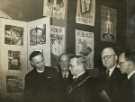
(41, 87)
(83, 89)
(113, 85)
(64, 83)
(131, 89)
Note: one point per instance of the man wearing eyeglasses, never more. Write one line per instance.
(112, 76)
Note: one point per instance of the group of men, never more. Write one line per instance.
(73, 82)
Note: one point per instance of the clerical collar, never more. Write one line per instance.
(77, 76)
(40, 71)
(111, 70)
(131, 74)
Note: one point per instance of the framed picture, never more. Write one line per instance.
(85, 12)
(14, 62)
(14, 84)
(85, 46)
(108, 24)
(55, 8)
(13, 35)
(57, 43)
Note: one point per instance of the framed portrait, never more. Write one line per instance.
(14, 62)
(108, 24)
(13, 35)
(85, 46)
(86, 12)
(55, 8)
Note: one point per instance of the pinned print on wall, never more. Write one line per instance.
(85, 46)
(13, 35)
(57, 43)
(55, 8)
(38, 35)
(85, 12)
(108, 24)
(14, 60)
(14, 84)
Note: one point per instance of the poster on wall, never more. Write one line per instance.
(13, 35)
(57, 43)
(55, 8)
(85, 46)
(38, 35)
(14, 84)
(86, 12)
(108, 24)
(14, 62)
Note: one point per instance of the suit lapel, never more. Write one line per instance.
(78, 82)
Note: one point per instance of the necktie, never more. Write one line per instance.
(107, 73)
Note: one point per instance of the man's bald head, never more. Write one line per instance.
(108, 50)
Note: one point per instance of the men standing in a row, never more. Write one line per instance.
(83, 88)
(127, 66)
(112, 76)
(41, 82)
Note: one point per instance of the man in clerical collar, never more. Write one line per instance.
(112, 76)
(41, 84)
(127, 66)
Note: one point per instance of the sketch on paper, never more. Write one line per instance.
(108, 24)
(55, 8)
(57, 43)
(85, 12)
(38, 35)
(13, 35)
(14, 60)
(85, 46)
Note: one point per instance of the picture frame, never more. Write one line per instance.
(108, 24)
(85, 13)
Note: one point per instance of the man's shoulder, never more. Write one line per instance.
(30, 73)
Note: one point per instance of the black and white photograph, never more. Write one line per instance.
(67, 50)
(108, 24)
(13, 35)
(14, 62)
(55, 8)
(86, 12)
(38, 35)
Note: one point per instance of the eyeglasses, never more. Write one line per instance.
(107, 56)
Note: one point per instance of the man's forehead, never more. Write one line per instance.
(64, 57)
(122, 57)
(73, 60)
(108, 51)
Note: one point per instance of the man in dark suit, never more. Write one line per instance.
(41, 82)
(127, 66)
(64, 75)
(83, 87)
(112, 77)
